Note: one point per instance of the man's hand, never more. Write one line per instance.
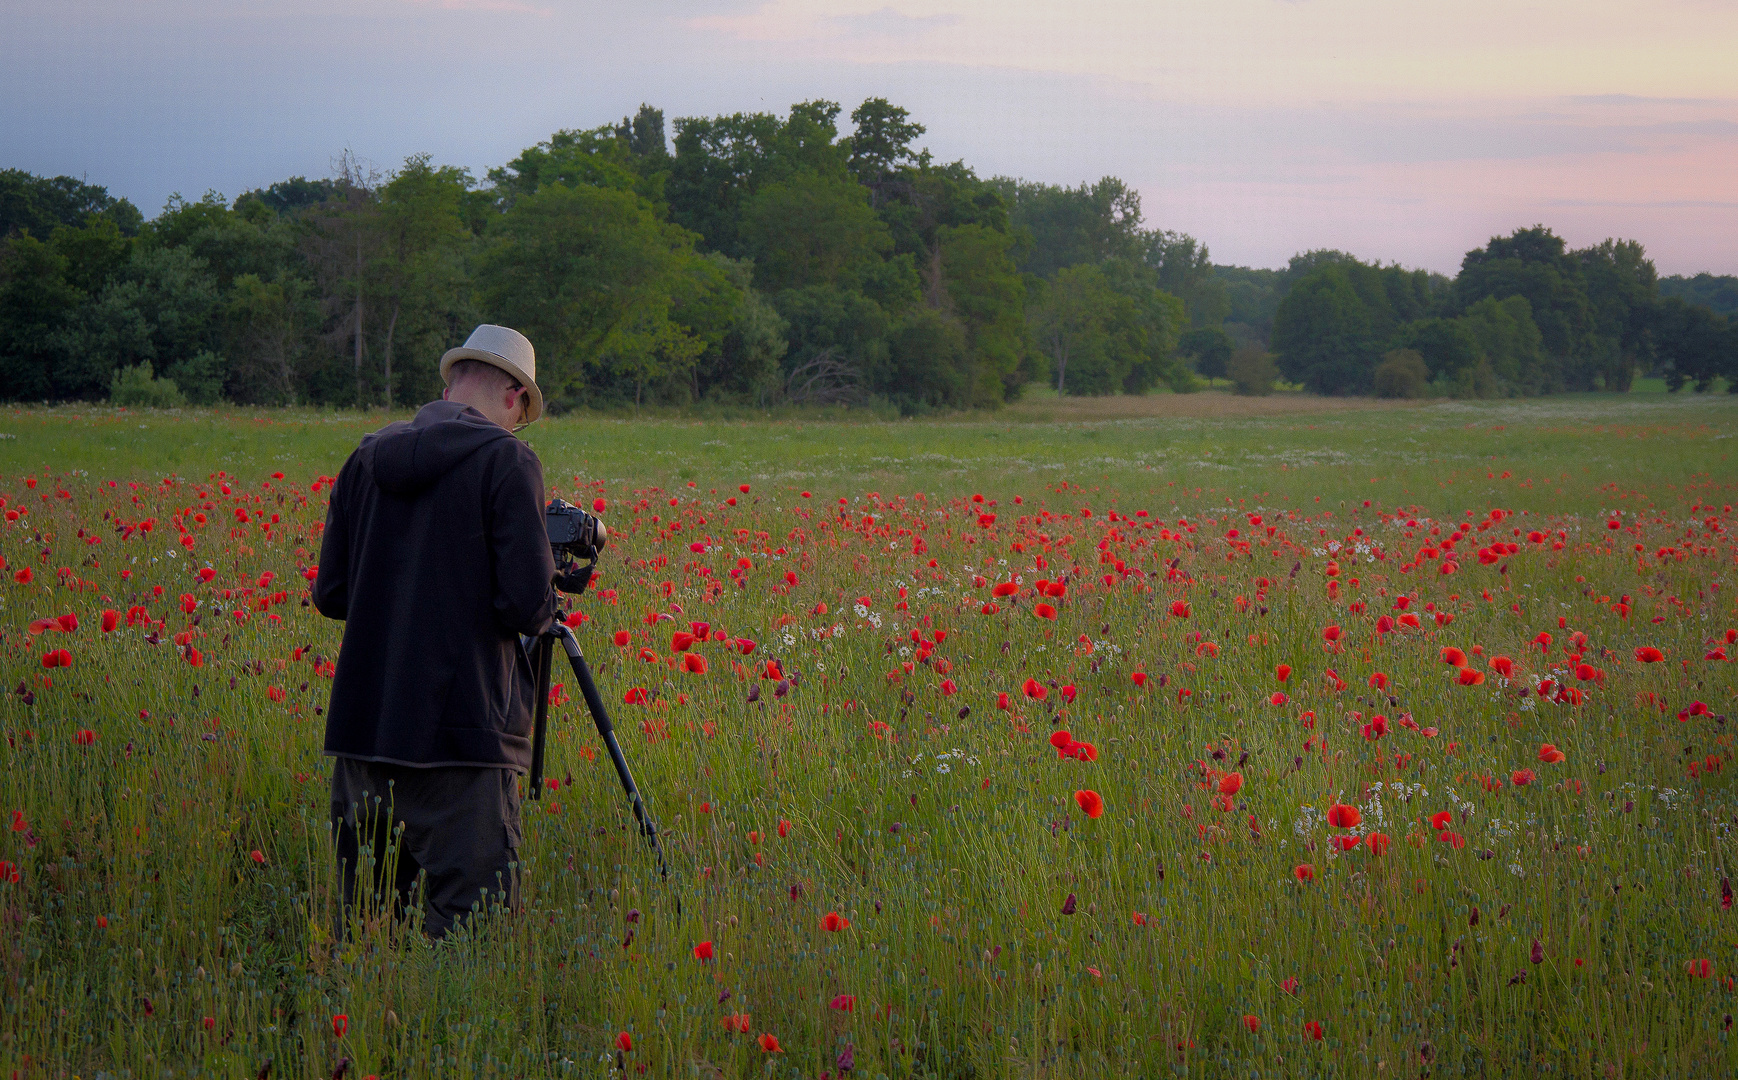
(570, 577)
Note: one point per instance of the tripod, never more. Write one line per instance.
(542, 659)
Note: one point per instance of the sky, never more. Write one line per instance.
(1404, 131)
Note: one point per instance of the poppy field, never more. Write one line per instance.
(1378, 742)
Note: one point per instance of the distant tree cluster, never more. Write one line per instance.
(1525, 316)
(760, 259)
(751, 258)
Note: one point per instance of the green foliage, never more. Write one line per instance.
(1402, 373)
(136, 387)
(813, 229)
(1186, 271)
(593, 277)
(1447, 346)
(927, 363)
(1695, 345)
(1511, 344)
(1253, 371)
(1719, 294)
(1325, 335)
(39, 204)
(1210, 348)
(881, 142)
(1086, 225)
(600, 157)
(35, 302)
(988, 298)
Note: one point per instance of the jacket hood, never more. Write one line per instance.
(405, 458)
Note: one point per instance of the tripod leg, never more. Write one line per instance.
(606, 731)
(543, 657)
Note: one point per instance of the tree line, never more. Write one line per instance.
(760, 259)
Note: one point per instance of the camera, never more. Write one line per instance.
(572, 531)
(573, 534)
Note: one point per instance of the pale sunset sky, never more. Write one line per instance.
(1399, 130)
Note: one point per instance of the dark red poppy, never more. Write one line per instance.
(1470, 677)
(1035, 690)
(1180, 609)
(1452, 655)
(833, 922)
(1004, 588)
(1304, 871)
(1282, 672)
(1647, 654)
(1341, 816)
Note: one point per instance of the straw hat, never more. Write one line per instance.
(506, 349)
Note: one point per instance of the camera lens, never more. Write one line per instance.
(603, 534)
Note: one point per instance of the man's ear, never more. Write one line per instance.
(446, 393)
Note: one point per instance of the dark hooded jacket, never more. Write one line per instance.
(436, 556)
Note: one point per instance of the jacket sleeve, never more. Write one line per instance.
(332, 585)
(524, 568)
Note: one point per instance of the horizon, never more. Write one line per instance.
(1262, 128)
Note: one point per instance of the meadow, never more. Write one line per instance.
(1182, 736)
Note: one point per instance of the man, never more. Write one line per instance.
(435, 554)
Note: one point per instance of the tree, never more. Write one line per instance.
(599, 157)
(1696, 345)
(1067, 319)
(270, 326)
(1324, 335)
(1211, 349)
(417, 271)
(1186, 271)
(39, 204)
(1533, 263)
(592, 276)
(881, 143)
(1622, 289)
(1447, 346)
(1511, 343)
(988, 298)
(35, 300)
(812, 229)
(722, 161)
(1071, 226)
(1401, 374)
(340, 245)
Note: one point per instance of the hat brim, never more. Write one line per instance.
(452, 356)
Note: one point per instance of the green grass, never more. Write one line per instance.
(950, 839)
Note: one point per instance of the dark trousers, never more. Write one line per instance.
(444, 838)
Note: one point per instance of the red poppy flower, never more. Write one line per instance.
(1313, 1030)
(1003, 589)
(844, 1003)
(1304, 871)
(833, 922)
(769, 1043)
(949, 688)
(1091, 803)
(67, 623)
(635, 696)
(257, 856)
(1330, 633)
(989, 609)
(1550, 755)
(772, 671)
(1035, 690)
(1701, 969)
(1647, 654)
(1521, 777)
(1452, 839)
(1452, 655)
(24, 576)
(1140, 919)
(1044, 611)
(1586, 672)
(1503, 666)
(1003, 704)
(625, 1042)
(111, 619)
(1470, 677)
(1180, 609)
(1290, 985)
(1060, 739)
(1378, 843)
(742, 645)
(784, 827)
(1277, 698)
(694, 663)
(1341, 816)
(340, 1023)
(1410, 620)
(1384, 624)
(703, 951)
(1069, 693)
(1346, 843)
(1282, 672)
(1140, 678)
(1251, 1022)
(1441, 820)
(1230, 783)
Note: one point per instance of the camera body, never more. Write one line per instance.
(573, 533)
